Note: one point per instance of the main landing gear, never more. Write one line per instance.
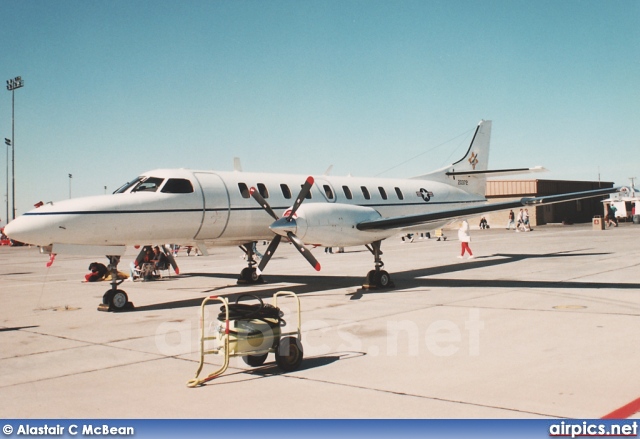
(115, 299)
(250, 274)
(287, 227)
(377, 278)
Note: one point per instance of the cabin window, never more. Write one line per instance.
(244, 190)
(328, 192)
(383, 193)
(347, 192)
(177, 186)
(151, 184)
(286, 192)
(365, 192)
(399, 194)
(263, 190)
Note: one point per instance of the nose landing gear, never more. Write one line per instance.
(115, 299)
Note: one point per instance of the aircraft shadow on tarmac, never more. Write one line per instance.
(410, 279)
(18, 328)
(420, 278)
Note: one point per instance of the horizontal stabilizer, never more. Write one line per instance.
(496, 172)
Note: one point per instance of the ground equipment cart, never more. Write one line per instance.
(251, 331)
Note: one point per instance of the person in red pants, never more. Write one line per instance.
(465, 239)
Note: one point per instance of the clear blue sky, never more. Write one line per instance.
(116, 88)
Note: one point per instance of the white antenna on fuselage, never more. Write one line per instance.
(237, 166)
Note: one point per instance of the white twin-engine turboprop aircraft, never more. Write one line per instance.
(238, 208)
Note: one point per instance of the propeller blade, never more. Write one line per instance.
(284, 225)
(306, 187)
(270, 251)
(256, 196)
(304, 251)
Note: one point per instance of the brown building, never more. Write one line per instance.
(577, 211)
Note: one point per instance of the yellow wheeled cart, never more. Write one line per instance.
(251, 331)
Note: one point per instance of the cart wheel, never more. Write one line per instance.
(289, 354)
(255, 360)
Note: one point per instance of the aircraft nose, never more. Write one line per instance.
(15, 229)
(24, 230)
(283, 226)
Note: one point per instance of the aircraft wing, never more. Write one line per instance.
(453, 214)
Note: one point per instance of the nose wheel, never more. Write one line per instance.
(115, 299)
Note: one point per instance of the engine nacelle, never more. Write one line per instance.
(332, 225)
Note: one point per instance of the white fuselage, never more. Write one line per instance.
(219, 210)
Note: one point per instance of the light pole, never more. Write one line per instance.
(8, 143)
(12, 85)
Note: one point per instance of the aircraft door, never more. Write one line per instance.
(215, 212)
(326, 189)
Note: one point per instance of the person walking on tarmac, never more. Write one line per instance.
(512, 221)
(610, 218)
(465, 239)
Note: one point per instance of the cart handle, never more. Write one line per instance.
(295, 296)
(195, 382)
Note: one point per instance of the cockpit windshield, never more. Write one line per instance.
(141, 184)
(150, 184)
(127, 185)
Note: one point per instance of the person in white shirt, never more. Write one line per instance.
(465, 239)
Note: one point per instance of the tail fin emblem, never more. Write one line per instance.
(473, 160)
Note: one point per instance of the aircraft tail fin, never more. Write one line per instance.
(477, 156)
(470, 172)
